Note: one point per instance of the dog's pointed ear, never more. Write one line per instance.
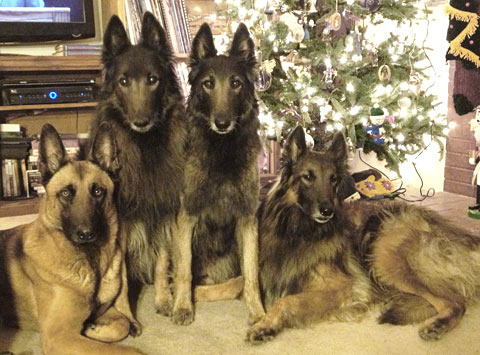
(338, 148)
(52, 154)
(103, 150)
(242, 45)
(295, 145)
(153, 34)
(115, 40)
(202, 45)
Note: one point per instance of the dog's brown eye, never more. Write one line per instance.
(308, 176)
(65, 193)
(97, 191)
(123, 81)
(152, 79)
(235, 83)
(208, 84)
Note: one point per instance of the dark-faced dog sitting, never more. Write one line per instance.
(218, 229)
(142, 102)
(62, 273)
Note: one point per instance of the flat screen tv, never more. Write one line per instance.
(45, 20)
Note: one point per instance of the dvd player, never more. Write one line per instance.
(24, 92)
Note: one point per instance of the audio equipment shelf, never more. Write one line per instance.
(70, 117)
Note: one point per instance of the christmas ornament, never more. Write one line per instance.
(327, 33)
(390, 119)
(375, 125)
(306, 36)
(370, 5)
(295, 28)
(263, 80)
(414, 80)
(358, 43)
(329, 77)
(335, 21)
(350, 148)
(404, 102)
(384, 73)
(309, 140)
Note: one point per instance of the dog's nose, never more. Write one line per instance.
(85, 235)
(222, 125)
(326, 211)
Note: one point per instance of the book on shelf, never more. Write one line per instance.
(33, 179)
(78, 47)
(13, 183)
(172, 15)
(10, 130)
(77, 53)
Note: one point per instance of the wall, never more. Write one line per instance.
(458, 172)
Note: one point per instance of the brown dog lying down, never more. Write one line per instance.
(64, 274)
(321, 258)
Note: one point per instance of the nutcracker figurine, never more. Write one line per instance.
(474, 159)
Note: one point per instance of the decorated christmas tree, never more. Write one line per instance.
(343, 65)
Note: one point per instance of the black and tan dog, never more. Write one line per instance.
(218, 238)
(320, 258)
(64, 273)
(142, 102)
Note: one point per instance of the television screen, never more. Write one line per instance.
(45, 20)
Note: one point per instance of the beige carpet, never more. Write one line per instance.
(220, 327)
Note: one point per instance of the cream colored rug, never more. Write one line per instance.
(220, 328)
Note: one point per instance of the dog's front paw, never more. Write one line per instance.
(183, 316)
(164, 308)
(135, 328)
(260, 333)
(107, 332)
